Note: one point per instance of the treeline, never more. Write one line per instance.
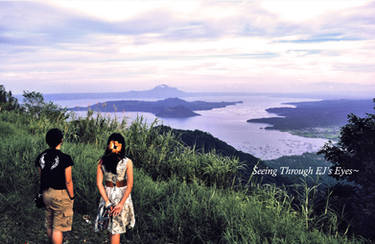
(180, 195)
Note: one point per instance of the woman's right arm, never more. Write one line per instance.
(99, 183)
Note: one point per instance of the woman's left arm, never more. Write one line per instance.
(129, 172)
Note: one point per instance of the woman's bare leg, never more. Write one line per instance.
(57, 237)
(115, 239)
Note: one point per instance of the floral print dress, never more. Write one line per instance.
(126, 219)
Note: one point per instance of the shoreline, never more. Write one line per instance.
(319, 119)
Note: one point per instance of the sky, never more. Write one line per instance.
(283, 46)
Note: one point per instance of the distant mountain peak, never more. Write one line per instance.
(164, 91)
(164, 87)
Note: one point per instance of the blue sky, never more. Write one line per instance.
(252, 46)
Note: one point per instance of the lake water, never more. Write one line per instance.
(229, 124)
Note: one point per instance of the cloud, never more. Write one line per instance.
(47, 24)
(322, 38)
(39, 24)
(254, 43)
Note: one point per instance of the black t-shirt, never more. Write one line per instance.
(53, 163)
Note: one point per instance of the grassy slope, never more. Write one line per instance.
(168, 210)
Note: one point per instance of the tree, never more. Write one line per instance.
(33, 102)
(7, 101)
(35, 105)
(353, 157)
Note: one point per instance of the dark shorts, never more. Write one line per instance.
(59, 210)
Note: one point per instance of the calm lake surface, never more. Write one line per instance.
(229, 124)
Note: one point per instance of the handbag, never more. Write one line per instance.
(38, 200)
(103, 217)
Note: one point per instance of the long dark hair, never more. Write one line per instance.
(111, 159)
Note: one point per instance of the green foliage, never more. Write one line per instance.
(355, 150)
(303, 161)
(353, 159)
(93, 129)
(35, 106)
(205, 142)
(317, 210)
(161, 155)
(329, 132)
(7, 101)
(33, 102)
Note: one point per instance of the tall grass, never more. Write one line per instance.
(313, 202)
(161, 155)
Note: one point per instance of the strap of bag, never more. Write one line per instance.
(45, 172)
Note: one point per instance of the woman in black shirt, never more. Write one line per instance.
(55, 169)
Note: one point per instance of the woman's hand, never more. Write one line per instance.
(117, 209)
(99, 183)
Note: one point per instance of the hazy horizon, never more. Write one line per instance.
(259, 46)
(115, 94)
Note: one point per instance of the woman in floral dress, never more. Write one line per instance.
(117, 172)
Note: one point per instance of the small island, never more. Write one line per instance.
(167, 108)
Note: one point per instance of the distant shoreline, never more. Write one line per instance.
(167, 108)
(321, 119)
